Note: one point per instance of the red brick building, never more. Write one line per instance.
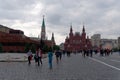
(14, 40)
(77, 42)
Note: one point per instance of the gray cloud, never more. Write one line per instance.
(98, 16)
(16, 4)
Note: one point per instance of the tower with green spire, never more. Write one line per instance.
(43, 32)
(53, 39)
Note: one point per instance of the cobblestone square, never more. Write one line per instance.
(74, 67)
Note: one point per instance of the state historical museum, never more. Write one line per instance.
(77, 42)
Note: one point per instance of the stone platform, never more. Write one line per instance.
(14, 57)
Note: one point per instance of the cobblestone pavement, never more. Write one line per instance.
(69, 68)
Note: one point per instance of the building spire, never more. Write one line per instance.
(53, 39)
(43, 32)
(43, 22)
(83, 30)
(71, 30)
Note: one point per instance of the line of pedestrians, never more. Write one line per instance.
(38, 57)
(58, 54)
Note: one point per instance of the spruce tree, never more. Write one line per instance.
(27, 47)
(1, 50)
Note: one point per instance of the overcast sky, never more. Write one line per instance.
(99, 17)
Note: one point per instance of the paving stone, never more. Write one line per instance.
(69, 68)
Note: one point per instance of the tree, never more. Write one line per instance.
(33, 48)
(118, 49)
(45, 48)
(1, 50)
(42, 44)
(115, 49)
(56, 47)
(27, 47)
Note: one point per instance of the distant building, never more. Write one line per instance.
(95, 39)
(61, 46)
(77, 42)
(97, 42)
(119, 42)
(14, 40)
(5, 29)
(35, 38)
(109, 43)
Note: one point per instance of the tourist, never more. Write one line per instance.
(29, 56)
(91, 52)
(50, 57)
(57, 56)
(39, 54)
(119, 52)
(60, 55)
(68, 53)
(36, 57)
(84, 53)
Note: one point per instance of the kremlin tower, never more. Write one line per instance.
(49, 43)
(43, 32)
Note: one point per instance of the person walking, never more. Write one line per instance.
(84, 53)
(35, 57)
(60, 54)
(39, 54)
(50, 58)
(119, 52)
(29, 56)
(57, 56)
(91, 52)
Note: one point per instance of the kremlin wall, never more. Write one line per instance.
(14, 40)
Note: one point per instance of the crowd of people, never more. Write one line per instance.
(102, 52)
(105, 52)
(58, 54)
(39, 55)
